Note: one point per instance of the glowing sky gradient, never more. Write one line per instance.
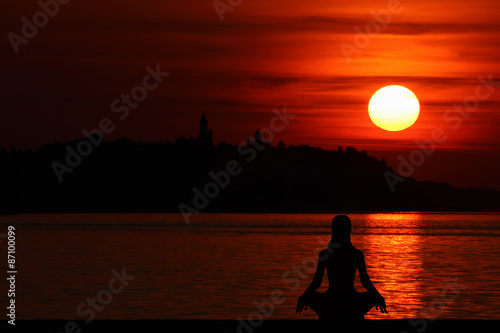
(265, 54)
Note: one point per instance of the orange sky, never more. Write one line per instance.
(263, 55)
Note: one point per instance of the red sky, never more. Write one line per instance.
(264, 55)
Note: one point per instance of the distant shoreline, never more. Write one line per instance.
(190, 178)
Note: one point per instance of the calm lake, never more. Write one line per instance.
(221, 266)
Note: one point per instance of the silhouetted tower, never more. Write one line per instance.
(258, 136)
(205, 136)
(203, 128)
(210, 140)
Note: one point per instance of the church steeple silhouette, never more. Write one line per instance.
(205, 136)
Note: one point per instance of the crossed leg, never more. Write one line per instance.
(348, 308)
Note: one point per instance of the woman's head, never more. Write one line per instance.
(341, 228)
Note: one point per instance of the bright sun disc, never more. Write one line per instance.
(394, 108)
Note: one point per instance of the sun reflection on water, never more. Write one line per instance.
(394, 262)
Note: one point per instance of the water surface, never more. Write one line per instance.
(221, 265)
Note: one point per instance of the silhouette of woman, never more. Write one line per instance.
(341, 300)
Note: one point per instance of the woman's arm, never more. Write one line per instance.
(363, 275)
(367, 283)
(315, 283)
(318, 277)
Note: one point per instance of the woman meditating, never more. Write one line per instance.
(341, 259)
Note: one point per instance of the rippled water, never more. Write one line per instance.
(221, 266)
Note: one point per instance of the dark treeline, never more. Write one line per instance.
(126, 176)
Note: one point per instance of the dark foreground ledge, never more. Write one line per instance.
(233, 326)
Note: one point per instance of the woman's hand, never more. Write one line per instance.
(380, 304)
(301, 305)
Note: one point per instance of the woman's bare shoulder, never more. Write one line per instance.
(359, 253)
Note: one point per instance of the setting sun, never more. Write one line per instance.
(394, 108)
